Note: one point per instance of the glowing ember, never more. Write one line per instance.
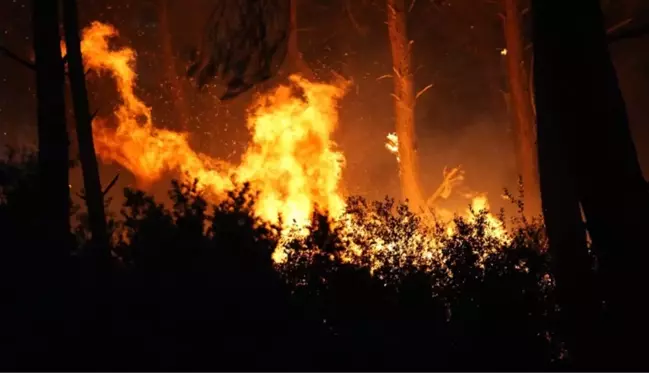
(291, 161)
(392, 144)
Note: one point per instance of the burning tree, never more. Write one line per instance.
(520, 103)
(404, 104)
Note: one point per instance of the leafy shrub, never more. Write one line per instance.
(194, 286)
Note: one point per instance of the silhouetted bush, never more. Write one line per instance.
(194, 286)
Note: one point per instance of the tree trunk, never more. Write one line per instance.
(578, 98)
(404, 105)
(295, 58)
(560, 198)
(53, 158)
(94, 196)
(521, 109)
(613, 190)
(180, 107)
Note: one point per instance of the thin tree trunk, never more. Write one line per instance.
(53, 158)
(404, 104)
(521, 109)
(578, 98)
(94, 196)
(296, 60)
(180, 107)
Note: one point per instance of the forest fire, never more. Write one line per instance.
(291, 161)
(271, 173)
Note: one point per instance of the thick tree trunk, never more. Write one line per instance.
(180, 107)
(521, 109)
(557, 140)
(614, 192)
(404, 105)
(53, 158)
(578, 98)
(94, 196)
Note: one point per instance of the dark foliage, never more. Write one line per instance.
(244, 43)
(193, 287)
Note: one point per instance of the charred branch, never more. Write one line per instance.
(107, 189)
(15, 57)
(352, 19)
(110, 185)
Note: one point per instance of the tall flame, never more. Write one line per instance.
(291, 160)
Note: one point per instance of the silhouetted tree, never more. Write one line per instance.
(587, 158)
(53, 158)
(94, 196)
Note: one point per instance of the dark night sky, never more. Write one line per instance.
(461, 120)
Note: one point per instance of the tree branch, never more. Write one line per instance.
(451, 179)
(110, 185)
(614, 28)
(93, 115)
(16, 58)
(423, 91)
(412, 5)
(350, 15)
(631, 33)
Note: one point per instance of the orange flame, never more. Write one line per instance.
(292, 158)
(291, 161)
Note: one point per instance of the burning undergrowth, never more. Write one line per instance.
(388, 240)
(292, 167)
